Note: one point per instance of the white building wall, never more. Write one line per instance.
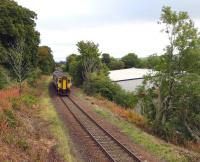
(130, 85)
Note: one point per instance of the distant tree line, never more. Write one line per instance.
(20, 54)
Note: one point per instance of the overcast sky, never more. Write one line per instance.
(118, 26)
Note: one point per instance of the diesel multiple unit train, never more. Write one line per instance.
(62, 82)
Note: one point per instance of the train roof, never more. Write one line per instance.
(60, 74)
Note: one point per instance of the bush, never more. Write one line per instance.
(101, 84)
(4, 79)
(29, 100)
(10, 118)
(22, 143)
(33, 77)
(16, 103)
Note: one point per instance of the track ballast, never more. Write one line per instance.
(115, 151)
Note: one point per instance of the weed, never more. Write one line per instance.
(3, 123)
(9, 138)
(22, 143)
(16, 103)
(29, 100)
(10, 118)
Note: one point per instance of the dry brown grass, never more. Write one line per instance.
(195, 146)
(127, 114)
(24, 136)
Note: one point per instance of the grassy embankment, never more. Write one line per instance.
(30, 127)
(127, 120)
(57, 129)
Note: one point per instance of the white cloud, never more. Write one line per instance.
(143, 38)
(61, 26)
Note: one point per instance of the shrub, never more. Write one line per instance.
(22, 143)
(4, 79)
(10, 118)
(29, 100)
(33, 77)
(101, 84)
(16, 103)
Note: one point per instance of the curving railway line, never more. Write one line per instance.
(115, 151)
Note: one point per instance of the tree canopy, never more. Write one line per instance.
(90, 57)
(106, 59)
(116, 64)
(18, 24)
(131, 60)
(172, 104)
(45, 59)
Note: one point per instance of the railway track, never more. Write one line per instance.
(114, 150)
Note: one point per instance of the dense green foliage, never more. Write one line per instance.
(81, 66)
(131, 60)
(4, 79)
(151, 62)
(111, 62)
(172, 102)
(33, 77)
(19, 40)
(89, 58)
(101, 84)
(17, 24)
(116, 64)
(106, 59)
(45, 60)
(74, 67)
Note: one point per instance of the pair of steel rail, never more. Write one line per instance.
(114, 150)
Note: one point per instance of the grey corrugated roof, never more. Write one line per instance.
(127, 74)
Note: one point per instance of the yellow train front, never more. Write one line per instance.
(62, 82)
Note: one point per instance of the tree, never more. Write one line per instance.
(172, 103)
(131, 60)
(17, 24)
(116, 64)
(69, 60)
(74, 68)
(153, 61)
(89, 55)
(45, 59)
(20, 66)
(106, 59)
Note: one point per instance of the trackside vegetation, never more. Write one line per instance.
(49, 114)
(126, 119)
(21, 58)
(171, 104)
(26, 133)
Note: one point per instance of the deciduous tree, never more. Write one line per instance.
(20, 65)
(17, 24)
(90, 57)
(131, 60)
(173, 101)
(45, 59)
